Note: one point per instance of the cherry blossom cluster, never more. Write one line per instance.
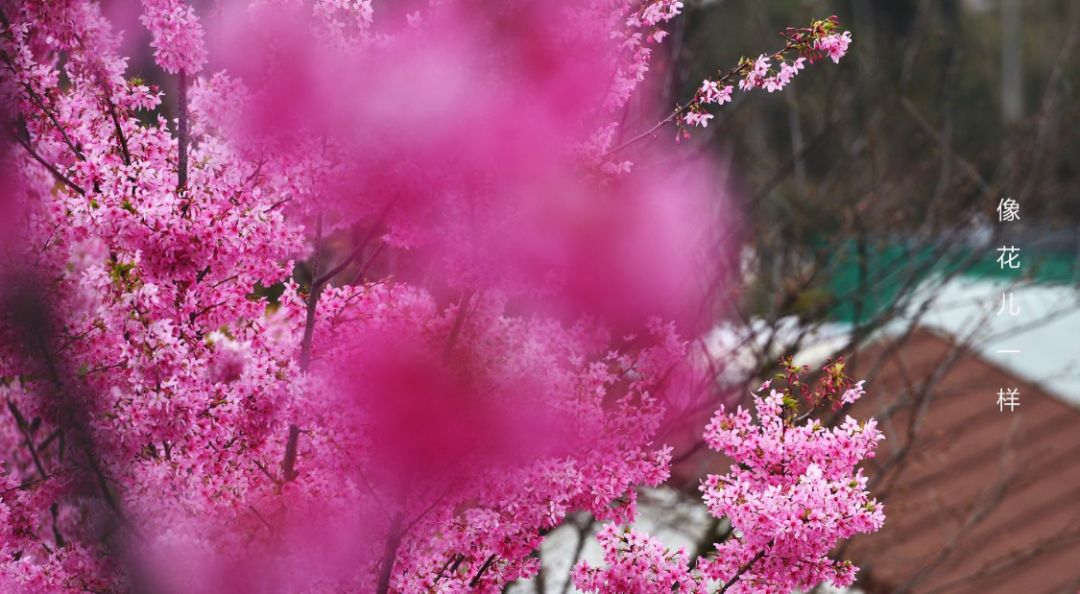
(637, 563)
(834, 45)
(154, 337)
(804, 45)
(177, 35)
(636, 28)
(647, 19)
(793, 493)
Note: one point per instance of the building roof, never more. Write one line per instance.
(978, 499)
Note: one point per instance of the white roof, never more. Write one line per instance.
(1040, 344)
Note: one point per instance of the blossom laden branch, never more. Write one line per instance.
(60, 177)
(810, 44)
(792, 493)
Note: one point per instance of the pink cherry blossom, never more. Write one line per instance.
(756, 75)
(835, 45)
(177, 35)
(711, 92)
(696, 118)
(787, 72)
(636, 563)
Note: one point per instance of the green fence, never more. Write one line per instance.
(862, 283)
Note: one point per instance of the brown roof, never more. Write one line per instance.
(978, 500)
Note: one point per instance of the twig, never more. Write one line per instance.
(288, 465)
(53, 170)
(20, 421)
(680, 108)
(312, 300)
(111, 105)
(182, 128)
(40, 104)
(393, 541)
(459, 321)
(451, 564)
(579, 548)
(330, 274)
(483, 568)
(742, 570)
(267, 472)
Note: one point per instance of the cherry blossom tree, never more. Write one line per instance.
(382, 304)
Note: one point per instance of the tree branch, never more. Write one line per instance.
(459, 321)
(312, 300)
(746, 567)
(183, 133)
(483, 568)
(288, 465)
(60, 177)
(393, 541)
